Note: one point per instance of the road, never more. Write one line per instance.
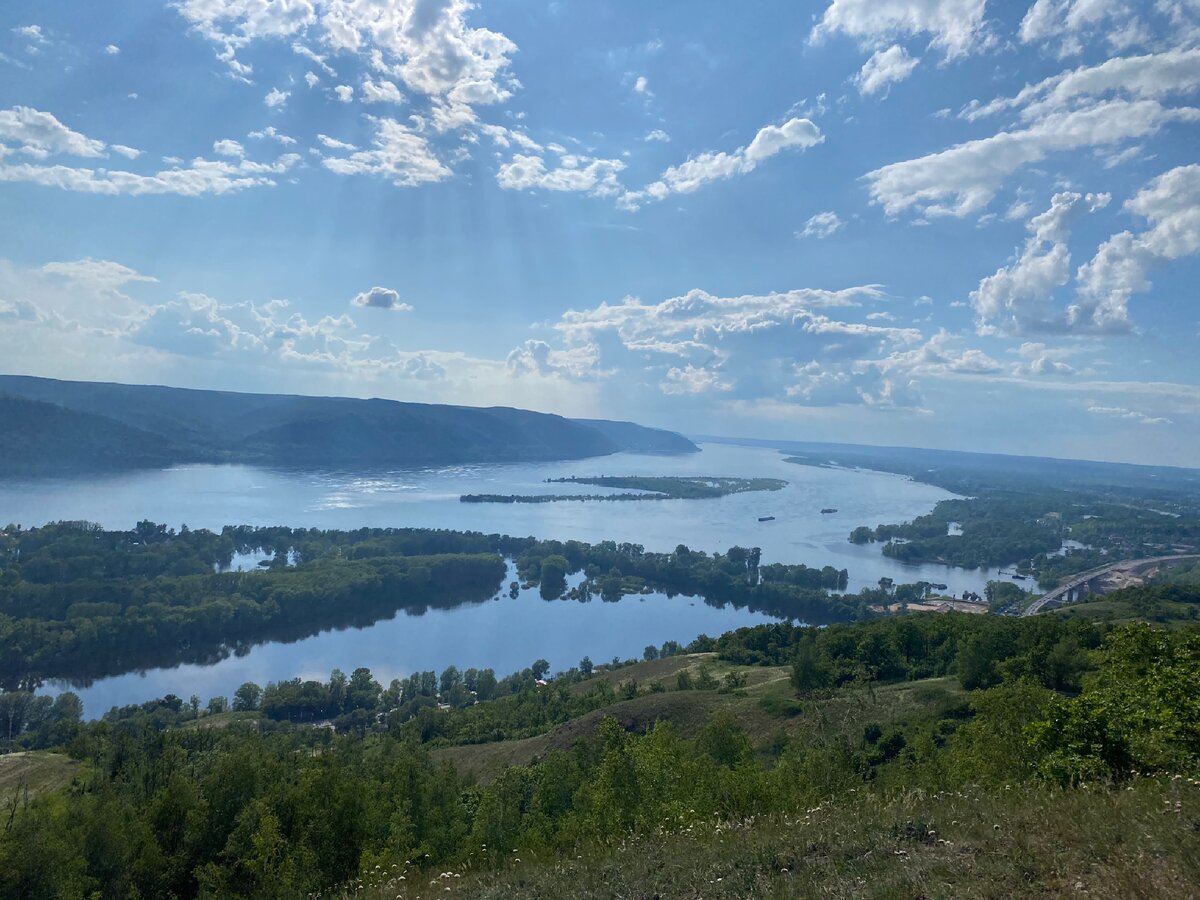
(1131, 565)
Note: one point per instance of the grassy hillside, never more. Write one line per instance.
(38, 770)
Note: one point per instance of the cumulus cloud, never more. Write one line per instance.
(227, 147)
(381, 91)
(39, 134)
(796, 133)
(1068, 26)
(398, 154)
(276, 98)
(273, 134)
(657, 134)
(785, 347)
(821, 225)
(428, 46)
(1016, 298)
(88, 307)
(955, 27)
(1171, 205)
(884, 68)
(344, 93)
(380, 298)
(112, 49)
(536, 357)
(965, 178)
(572, 172)
(1039, 359)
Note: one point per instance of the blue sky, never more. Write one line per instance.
(950, 223)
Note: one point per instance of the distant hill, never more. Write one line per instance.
(51, 425)
(640, 439)
(40, 437)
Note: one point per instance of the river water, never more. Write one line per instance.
(505, 634)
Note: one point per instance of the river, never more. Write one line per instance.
(505, 634)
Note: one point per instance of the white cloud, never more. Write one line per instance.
(276, 98)
(271, 132)
(199, 177)
(1039, 359)
(228, 147)
(311, 79)
(127, 152)
(964, 179)
(582, 174)
(112, 49)
(344, 93)
(885, 67)
(821, 225)
(308, 53)
(536, 357)
(398, 154)
(429, 46)
(1171, 205)
(334, 144)
(381, 298)
(1067, 27)
(1016, 298)
(1150, 77)
(39, 134)
(693, 380)
(796, 133)
(955, 27)
(381, 91)
(1132, 415)
(642, 86)
(657, 134)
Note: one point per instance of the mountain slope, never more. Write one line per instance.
(42, 437)
(636, 438)
(132, 425)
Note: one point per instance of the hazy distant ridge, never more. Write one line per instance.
(51, 425)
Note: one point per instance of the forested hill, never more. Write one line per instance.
(91, 425)
(44, 437)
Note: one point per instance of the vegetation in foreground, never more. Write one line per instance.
(1049, 754)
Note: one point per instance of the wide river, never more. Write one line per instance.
(504, 634)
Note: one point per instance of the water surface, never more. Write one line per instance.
(505, 634)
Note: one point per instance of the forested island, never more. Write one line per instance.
(79, 602)
(641, 487)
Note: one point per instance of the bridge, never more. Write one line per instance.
(1084, 583)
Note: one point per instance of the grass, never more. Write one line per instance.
(222, 720)
(765, 707)
(41, 771)
(1098, 842)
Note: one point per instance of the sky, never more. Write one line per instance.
(959, 224)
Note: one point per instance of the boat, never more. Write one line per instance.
(766, 518)
(827, 510)
(1018, 577)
